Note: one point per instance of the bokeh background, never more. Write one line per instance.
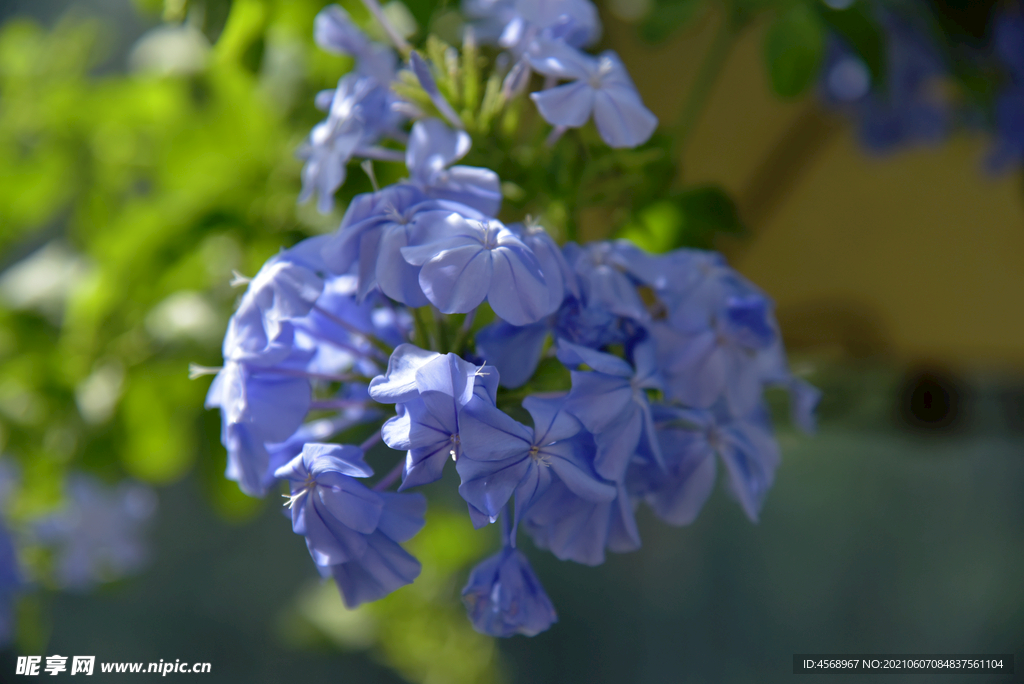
(147, 152)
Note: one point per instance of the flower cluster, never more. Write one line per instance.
(907, 106)
(425, 315)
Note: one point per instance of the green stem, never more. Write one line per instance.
(710, 69)
(441, 325)
(421, 336)
(463, 333)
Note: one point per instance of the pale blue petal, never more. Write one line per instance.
(566, 105)
(488, 485)
(514, 350)
(518, 293)
(622, 119)
(402, 516)
(398, 384)
(335, 458)
(551, 419)
(555, 58)
(352, 505)
(457, 280)
(384, 567)
(617, 444)
(475, 187)
(489, 434)
(448, 375)
(431, 144)
(395, 432)
(577, 474)
(397, 278)
(575, 355)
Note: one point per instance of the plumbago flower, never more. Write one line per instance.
(907, 107)
(432, 325)
(599, 87)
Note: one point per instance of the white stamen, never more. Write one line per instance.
(238, 280)
(367, 167)
(197, 371)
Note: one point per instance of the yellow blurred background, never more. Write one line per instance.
(917, 255)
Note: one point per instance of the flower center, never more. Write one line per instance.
(715, 438)
(604, 67)
(296, 495)
(396, 216)
(490, 237)
(538, 457)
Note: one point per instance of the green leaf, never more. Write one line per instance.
(793, 50)
(158, 409)
(667, 17)
(656, 228)
(707, 211)
(691, 218)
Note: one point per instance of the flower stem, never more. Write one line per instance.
(396, 39)
(371, 440)
(390, 478)
(335, 404)
(421, 336)
(441, 328)
(710, 68)
(460, 337)
(355, 331)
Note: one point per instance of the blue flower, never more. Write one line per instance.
(399, 382)
(359, 112)
(352, 532)
(678, 490)
(430, 391)
(514, 350)
(609, 274)
(905, 108)
(97, 536)
(726, 344)
(293, 330)
(600, 86)
(611, 403)
(592, 325)
(320, 430)
(375, 230)
(561, 278)
(329, 508)
(334, 31)
(572, 22)
(285, 287)
(579, 529)
(384, 566)
(469, 261)
(504, 597)
(432, 149)
(501, 456)
(692, 440)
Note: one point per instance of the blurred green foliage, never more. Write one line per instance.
(147, 190)
(794, 48)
